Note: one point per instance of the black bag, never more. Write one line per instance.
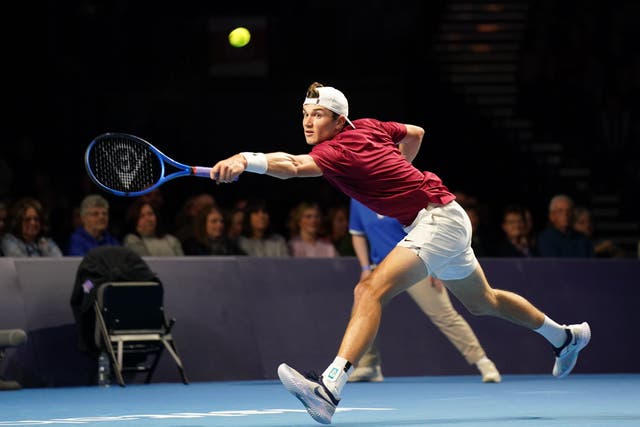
(101, 265)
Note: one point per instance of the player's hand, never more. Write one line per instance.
(229, 169)
(436, 284)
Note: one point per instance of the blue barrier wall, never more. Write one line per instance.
(238, 318)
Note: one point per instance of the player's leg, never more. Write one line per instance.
(320, 395)
(479, 298)
(433, 299)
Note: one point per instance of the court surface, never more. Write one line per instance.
(460, 401)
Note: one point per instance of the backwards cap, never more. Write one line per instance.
(331, 99)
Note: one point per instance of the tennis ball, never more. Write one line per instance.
(239, 37)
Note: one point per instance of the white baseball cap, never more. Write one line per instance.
(331, 99)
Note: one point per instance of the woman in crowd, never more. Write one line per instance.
(26, 231)
(146, 235)
(257, 238)
(209, 237)
(307, 241)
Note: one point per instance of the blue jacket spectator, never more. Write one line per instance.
(94, 213)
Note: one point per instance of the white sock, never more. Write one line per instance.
(554, 333)
(336, 375)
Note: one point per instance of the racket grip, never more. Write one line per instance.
(203, 172)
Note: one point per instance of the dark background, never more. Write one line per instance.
(163, 71)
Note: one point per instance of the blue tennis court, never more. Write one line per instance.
(520, 400)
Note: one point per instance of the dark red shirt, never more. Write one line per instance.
(366, 164)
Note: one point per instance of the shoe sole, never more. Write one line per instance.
(579, 347)
(298, 386)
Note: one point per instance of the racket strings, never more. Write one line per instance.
(124, 165)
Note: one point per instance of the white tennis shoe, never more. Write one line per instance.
(567, 355)
(311, 391)
(489, 371)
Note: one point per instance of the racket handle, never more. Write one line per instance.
(202, 172)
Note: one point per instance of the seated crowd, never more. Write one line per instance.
(202, 227)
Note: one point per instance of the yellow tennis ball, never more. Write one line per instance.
(239, 37)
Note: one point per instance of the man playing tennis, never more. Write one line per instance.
(370, 161)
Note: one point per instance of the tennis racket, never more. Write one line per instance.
(126, 165)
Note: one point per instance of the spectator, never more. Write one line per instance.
(146, 234)
(94, 215)
(514, 242)
(209, 237)
(257, 238)
(559, 239)
(583, 223)
(234, 222)
(25, 236)
(307, 242)
(338, 219)
(187, 215)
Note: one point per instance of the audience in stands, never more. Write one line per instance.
(514, 243)
(583, 223)
(146, 235)
(338, 226)
(559, 239)
(258, 239)
(209, 237)
(307, 241)
(25, 236)
(94, 215)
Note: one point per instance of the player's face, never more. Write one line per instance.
(318, 124)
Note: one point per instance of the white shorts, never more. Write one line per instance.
(441, 236)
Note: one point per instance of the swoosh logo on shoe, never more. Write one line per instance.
(316, 391)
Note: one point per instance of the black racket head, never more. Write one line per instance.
(123, 164)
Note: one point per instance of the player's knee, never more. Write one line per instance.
(363, 290)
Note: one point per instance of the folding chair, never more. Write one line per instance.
(130, 322)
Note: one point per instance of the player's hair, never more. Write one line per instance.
(312, 91)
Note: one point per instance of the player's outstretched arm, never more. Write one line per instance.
(280, 165)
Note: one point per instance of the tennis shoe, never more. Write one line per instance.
(311, 391)
(578, 337)
(489, 371)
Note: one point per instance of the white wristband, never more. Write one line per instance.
(256, 162)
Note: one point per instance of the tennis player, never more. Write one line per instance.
(370, 161)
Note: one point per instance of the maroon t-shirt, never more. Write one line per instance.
(366, 164)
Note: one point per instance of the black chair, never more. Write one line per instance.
(132, 328)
